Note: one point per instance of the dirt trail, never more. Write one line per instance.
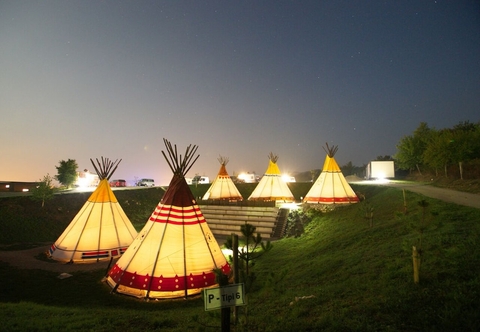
(26, 259)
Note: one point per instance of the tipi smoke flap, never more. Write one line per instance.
(100, 230)
(174, 255)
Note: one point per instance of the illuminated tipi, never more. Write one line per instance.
(272, 187)
(175, 253)
(222, 187)
(331, 186)
(100, 230)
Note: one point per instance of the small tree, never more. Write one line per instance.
(67, 172)
(249, 251)
(296, 222)
(44, 190)
(253, 247)
(368, 211)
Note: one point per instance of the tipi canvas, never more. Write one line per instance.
(272, 187)
(175, 254)
(331, 186)
(100, 230)
(222, 187)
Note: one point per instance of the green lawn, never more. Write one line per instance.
(346, 276)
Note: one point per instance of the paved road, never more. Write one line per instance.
(446, 195)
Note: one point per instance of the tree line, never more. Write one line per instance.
(430, 149)
(427, 149)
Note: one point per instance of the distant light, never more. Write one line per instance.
(381, 178)
(25, 190)
(227, 252)
(290, 206)
(7, 186)
(247, 177)
(86, 179)
(83, 182)
(288, 178)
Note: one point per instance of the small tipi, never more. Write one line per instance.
(175, 253)
(222, 187)
(331, 186)
(272, 187)
(100, 230)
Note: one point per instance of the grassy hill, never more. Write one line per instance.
(339, 275)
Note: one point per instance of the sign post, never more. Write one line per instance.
(224, 297)
(236, 278)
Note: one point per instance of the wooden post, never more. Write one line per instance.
(236, 278)
(416, 265)
(225, 312)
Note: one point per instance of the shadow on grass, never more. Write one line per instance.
(83, 289)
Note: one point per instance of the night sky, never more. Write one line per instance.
(241, 79)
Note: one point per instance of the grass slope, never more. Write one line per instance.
(362, 277)
(346, 276)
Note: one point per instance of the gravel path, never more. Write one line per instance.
(446, 195)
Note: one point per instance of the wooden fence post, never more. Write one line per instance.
(416, 265)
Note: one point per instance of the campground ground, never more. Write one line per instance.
(349, 274)
(35, 258)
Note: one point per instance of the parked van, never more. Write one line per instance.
(197, 179)
(146, 183)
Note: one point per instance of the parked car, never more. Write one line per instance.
(146, 183)
(118, 183)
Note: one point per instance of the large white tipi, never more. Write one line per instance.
(331, 186)
(272, 187)
(175, 254)
(222, 187)
(100, 230)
